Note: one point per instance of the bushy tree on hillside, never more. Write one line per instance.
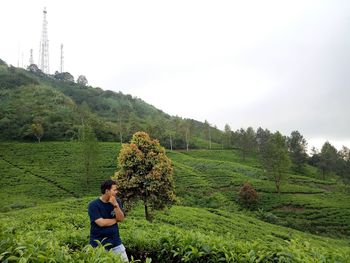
(297, 147)
(208, 132)
(64, 76)
(227, 136)
(246, 141)
(247, 196)
(275, 158)
(343, 166)
(33, 68)
(145, 174)
(327, 159)
(82, 80)
(37, 130)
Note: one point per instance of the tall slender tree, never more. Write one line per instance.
(275, 158)
(297, 147)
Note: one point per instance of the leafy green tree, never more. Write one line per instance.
(37, 130)
(246, 141)
(82, 80)
(297, 147)
(90, 153)
(145, 173)
(64, 76)
(343, 165)
(275, 158)
(208, 131)
(261, 138)
(327, 159)
(227, 136)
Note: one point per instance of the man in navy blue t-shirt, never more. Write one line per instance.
(105, 212)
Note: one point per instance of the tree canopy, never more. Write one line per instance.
(145, 174)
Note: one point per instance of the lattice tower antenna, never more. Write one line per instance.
(44, 47)
(31, 60)
(61, 65)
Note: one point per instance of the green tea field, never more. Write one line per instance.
(43, 210)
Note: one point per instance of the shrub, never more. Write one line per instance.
(247, 196)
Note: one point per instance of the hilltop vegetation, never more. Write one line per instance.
(61, 106)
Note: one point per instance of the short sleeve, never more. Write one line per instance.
(94, 212)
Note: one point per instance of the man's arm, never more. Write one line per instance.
(104, 222)
(119, 215)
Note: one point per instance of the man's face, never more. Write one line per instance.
(113, 191)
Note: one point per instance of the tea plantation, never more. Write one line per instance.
(43, 210)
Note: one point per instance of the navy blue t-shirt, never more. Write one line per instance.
(110, 234)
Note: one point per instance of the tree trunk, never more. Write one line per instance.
(278, 182)
(146, 212)
(209, 139)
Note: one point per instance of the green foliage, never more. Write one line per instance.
(82, 80)
(275, 158)
(145, 173)
(64, 76)
(246, 141)
(182, 234)
(37, 130)
(328, 159)
(10, 78)
(297, 147)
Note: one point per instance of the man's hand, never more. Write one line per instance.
(113, 200)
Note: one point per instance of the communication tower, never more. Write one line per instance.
(61, 65)
(44, 47)
(31, 60)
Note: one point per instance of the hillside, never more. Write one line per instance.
(62, 106)
(44, 182)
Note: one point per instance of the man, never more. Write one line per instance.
(105, 212)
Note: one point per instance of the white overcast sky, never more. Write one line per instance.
(281, 65)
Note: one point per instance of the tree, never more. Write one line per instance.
(227, 136)
(327, 159)
(246, 141)
(145, 173)
(275, 158)
(297, 147)
(207, 128)
(37, 130)
(64, 76)
(90, 152)
(82, 80)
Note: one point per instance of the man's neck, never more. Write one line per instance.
(104, 198)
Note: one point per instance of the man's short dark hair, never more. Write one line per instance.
(107, 185)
